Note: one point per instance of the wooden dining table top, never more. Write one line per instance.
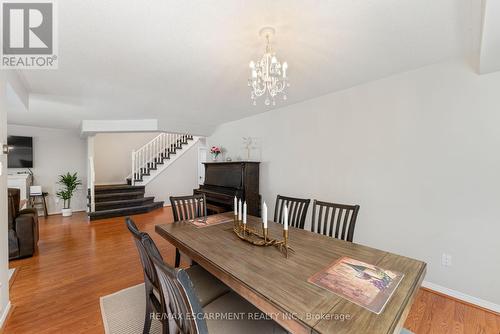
(279, 286)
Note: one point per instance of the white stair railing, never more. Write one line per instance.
(145, 156)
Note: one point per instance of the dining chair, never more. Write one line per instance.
(208, 287)
(334, 220)
(151, 283)
(297, 210)
(188, 207)
(185, 208)
(187, 315)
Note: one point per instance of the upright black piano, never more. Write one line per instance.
(224, 180)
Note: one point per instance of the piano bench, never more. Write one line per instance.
(215, 209)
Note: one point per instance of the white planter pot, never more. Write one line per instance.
(67, 212)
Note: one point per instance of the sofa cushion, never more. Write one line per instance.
(10, 216)
(15, 195)
(13, 244)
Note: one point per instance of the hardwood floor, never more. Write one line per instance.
(58, 290)
(434, 313)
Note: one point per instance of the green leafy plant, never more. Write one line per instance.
(70, 182)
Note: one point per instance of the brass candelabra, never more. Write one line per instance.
(257, 238)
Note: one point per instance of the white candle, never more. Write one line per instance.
(239, 209)
(235, 206)
(285, 219)
(245, 212)
(264, 214)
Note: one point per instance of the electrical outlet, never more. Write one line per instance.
(446, 260)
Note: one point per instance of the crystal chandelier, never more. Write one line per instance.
(268, 75)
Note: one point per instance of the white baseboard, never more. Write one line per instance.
(462, 296)
(11, 272)
(4, 315)
(60, 212)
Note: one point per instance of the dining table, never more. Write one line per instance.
(278, 285)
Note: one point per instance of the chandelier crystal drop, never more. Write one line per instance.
(268, 76)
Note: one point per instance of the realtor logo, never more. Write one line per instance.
(28, 35)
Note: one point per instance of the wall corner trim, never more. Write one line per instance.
(4, 315)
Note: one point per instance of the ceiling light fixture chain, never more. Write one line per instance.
(268, 75)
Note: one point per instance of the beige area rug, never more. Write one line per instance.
(123, 312)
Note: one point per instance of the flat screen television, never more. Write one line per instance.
(20, 152)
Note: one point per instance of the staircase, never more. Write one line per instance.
(121, 200)
(150, 160)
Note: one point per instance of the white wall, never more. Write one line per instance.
(419, 151)
(56, 152)
(179, 179)
(4, 245)
(112, 155)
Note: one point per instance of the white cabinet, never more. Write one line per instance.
(22, 182)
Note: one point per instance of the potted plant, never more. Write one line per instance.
(215, 151)
(69, 182)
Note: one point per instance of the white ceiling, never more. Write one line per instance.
(186, 62)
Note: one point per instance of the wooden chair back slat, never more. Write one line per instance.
(188, 207)
(339, 224)
(297, 210)
(147, 265)
(182, 306)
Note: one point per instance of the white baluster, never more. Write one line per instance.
(162, 142)
(133, 167)
(149, 155)
(165, 142)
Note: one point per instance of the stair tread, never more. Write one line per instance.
(125, 201)
(125, 211)
(116, 187)
(130, 208)
(125, 194)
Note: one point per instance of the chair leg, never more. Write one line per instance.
(177, 258)
(45, 206)
(149, 313)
